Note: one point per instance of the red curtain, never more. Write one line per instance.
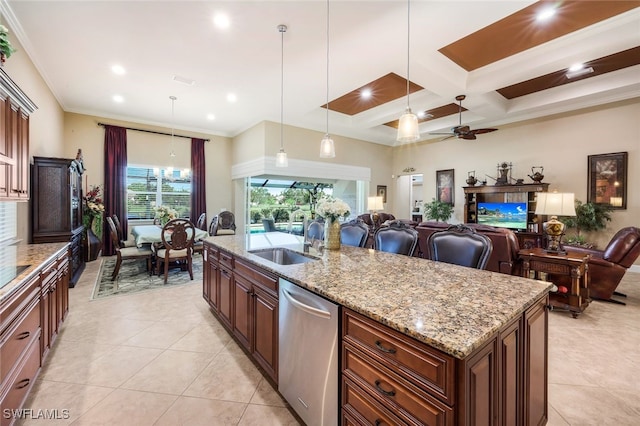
(198, 179)
(115, 181)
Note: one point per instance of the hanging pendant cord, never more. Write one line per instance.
(282, 29)
(408, 40)
(327, 67)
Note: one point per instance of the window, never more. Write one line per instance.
(148, 187)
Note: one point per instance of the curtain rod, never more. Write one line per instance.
(152, 131)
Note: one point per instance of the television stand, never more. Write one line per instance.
(532, 237)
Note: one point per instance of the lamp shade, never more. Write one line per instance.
(408, 130)
(281, 159)
(555, 204)
(375, 203)
(327, 147)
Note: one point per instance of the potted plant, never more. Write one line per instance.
(589, 217)
(438, 210)
(5, 45)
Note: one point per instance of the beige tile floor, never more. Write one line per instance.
(160, 358)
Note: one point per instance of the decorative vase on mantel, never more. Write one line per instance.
(332, 234)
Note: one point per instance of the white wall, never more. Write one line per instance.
(560, 144)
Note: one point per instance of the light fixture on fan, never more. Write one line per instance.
(408, 130)
(327, 147)
(555, 204)
(281, 156)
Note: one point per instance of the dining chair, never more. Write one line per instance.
(354, 233)
(223, 223)
(202, 221)
(315, 230)
(396, 237)
(177, 246)
(129, 241)
(123, 253)
(460, 245)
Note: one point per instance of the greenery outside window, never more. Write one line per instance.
(148, 187)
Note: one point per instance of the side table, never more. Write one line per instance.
(575, 299)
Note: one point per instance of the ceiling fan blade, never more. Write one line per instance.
(449, 133)
(448, 137)
(468, 136)
(480, 131)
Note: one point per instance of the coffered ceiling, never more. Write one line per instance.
(510, 66)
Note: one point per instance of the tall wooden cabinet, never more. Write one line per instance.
(15, 108)
(525, 193)
(57, 207)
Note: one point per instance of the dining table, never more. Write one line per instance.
(152, 234)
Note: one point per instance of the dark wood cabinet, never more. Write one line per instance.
(526, 193)
(15, 108)
(389, 377)
(57, 207)
(30, 319)
(244, 297)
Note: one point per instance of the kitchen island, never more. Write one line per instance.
(466, 346)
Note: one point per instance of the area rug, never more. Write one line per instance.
(134, 277)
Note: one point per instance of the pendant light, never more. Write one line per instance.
(408, 130)
(172, 153)
(281, 156)
(327, 148)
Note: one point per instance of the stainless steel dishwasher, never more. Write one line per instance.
(308, 354)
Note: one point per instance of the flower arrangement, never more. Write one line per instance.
(164, 214)
(332, 208)
(93, 210)
(5, 46)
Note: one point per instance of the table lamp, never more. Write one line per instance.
(555, 204)
(374, 204)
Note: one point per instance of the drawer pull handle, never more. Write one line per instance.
(383, 349)
(379, 422)
(388, 393)
(23, 335)
(23, 383)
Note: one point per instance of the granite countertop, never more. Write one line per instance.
(449, 307)
(30, 256)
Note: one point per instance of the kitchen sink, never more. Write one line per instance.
(282, 256)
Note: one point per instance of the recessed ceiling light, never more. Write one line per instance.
(118, 98)
(118, 69)
(221, 21)
(365, 94)
(578, 72)
(231, 97)
(211, 117)
(576, 67)
(546, 14)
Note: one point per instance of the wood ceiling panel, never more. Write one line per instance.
(624, 59)
(385, 89)
(520, 31)
(432, 114)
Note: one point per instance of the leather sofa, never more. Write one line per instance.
(608, 266)
(504, 257)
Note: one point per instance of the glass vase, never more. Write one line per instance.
(332, 234)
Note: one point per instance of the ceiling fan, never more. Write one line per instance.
(460, 131)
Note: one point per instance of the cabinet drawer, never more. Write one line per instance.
(406, 400)
(363, 408)
(18, 337)
(21, 383)
(256, 275)
(226, 259)
(428, 368)
(14, 304)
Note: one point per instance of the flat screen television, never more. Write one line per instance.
(503, 215)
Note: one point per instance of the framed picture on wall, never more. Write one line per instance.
(382, 192)
(444, 186)
(607, 179)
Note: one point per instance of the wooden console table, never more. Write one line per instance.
(574, 299)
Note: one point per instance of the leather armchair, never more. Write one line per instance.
(608, 266)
